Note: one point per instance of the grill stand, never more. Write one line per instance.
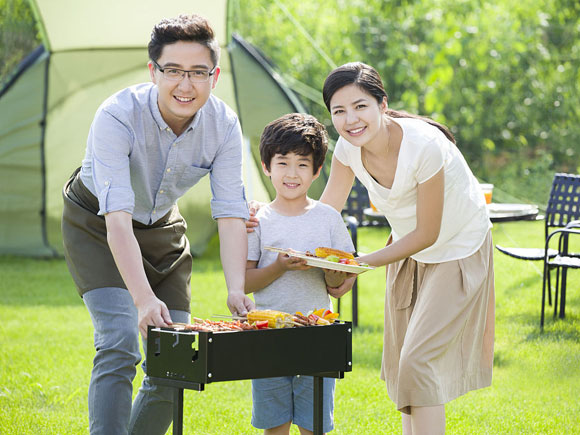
(179, 386)
(189, 360)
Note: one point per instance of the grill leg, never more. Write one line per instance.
(318, 396)
(178, 411)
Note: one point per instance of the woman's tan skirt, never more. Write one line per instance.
(164, 247)
(439, 329)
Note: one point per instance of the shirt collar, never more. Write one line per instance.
(154, 108)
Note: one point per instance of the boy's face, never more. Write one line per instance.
(179, 100)
(291, 175)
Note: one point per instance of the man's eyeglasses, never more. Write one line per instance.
(194, 76)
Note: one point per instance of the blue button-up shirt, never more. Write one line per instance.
(135, 163)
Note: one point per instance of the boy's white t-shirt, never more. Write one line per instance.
(296, 290)
(424, 151)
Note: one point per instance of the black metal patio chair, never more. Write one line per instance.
(563, 261)
(355, 217)
(563, 207)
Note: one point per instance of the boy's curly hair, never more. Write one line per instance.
(294, 133)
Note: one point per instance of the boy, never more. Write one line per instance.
(124, 237)
(292, 149)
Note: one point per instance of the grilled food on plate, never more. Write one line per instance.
(336, 256)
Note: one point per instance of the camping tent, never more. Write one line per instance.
(90, 50)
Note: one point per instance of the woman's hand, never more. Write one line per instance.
(152, 311)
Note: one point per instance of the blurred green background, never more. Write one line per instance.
(502, 74)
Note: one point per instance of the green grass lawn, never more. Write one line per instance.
(46, 354)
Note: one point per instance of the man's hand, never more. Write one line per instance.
(239, 304)
(154, 312)
(342, 289)
(252, 223)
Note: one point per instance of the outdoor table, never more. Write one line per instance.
(376, 216)
(497, 213)
(512, 212)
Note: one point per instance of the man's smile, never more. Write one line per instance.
(184, 99)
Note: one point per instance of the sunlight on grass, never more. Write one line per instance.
(47, 351)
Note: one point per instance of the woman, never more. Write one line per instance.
(439, 307)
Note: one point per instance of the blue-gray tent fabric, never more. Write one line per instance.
(22, 200)
(32, 172)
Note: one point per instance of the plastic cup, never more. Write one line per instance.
(487, 192)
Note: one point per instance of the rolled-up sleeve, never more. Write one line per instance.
(227, 187)
(110, 142)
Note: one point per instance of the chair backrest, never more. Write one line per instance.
(564, 201)
(357, 201)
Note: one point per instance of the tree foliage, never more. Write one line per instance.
(502, 74)
(18, 35)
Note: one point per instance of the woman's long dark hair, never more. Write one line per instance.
(369, 80)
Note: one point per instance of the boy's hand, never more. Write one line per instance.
(286, 262)
(334, 278)
(343, 288)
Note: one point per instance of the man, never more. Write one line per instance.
(122, 230)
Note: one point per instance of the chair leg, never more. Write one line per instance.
(556, 292)
(562, 289)
(549, 293)
(545, 277)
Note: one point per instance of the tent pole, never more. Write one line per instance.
(43, 158)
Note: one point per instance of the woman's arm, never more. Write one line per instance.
(430, 195)
(338, 186)
(127, 255)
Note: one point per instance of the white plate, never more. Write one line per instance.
(321, 262)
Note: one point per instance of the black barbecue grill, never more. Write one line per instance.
(184, 359)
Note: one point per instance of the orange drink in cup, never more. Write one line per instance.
(487, 192)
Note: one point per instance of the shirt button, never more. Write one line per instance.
(168, 169)
(162, 191)
(153, 211)
(106, 183)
